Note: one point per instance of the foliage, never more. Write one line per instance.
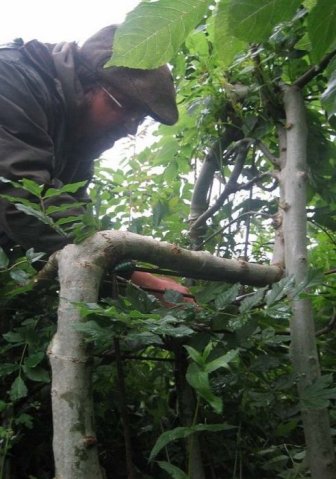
(230, 60)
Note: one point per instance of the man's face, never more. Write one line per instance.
(102, 121)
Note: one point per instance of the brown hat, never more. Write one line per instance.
(152, 88)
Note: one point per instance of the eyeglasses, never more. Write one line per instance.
(136, 114)
(111, 96)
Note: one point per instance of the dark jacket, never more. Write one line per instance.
(39, 93)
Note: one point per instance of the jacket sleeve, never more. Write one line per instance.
(27, 151)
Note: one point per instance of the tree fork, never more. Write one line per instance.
(320, 449)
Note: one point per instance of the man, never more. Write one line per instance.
(59, 110)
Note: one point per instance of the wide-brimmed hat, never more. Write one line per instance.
(152, 88)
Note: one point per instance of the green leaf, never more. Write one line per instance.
(226, 45)
(251, 301)
(25, 420)
(70, 188)
(195, 355)
(20, 276)
(37, 374)
(321, 28)
(32, 187)
(279, 290)
(153, 32)
(34, 359)
(4, 260)
(13, 337)
(8, 368)
(33, 256)
(317, 395)
(184, 432)
(18, 389)
(254, 20)
(173, 296)
(222, 361)
(329, 95)
(173, 471)
(227, 297)
(199, 380)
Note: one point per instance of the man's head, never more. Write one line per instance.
(135, 93)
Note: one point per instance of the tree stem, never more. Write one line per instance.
(320, 450)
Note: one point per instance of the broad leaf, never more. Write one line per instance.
(321, 28)
(173, 471)
(253, 20)
(182, 433)
(280, 290)
(227, 45)
(153, 32)
(251, 301)
(222, 361)
(18, 389)
(199, 380)
(227, 297)
(317, 395)
(71, 188)
(329, 95)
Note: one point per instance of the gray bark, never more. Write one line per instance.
(320, 449)
(74, 441)
(80, 270)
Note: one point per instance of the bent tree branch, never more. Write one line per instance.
(80, 269)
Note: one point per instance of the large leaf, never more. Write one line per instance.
(254, 20)
(153, 32)
(227, 45)
(329, 95)
(183, 432)
(199, 380)
(173, 471)
(18, 389)
(321, 27)
(318, 394)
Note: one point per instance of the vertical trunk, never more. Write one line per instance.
(74, 442)
(303, 348)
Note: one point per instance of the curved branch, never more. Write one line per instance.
(231, 186)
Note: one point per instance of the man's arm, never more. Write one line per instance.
(27, 151)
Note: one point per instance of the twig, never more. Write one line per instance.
(256, 179)
(247, 213)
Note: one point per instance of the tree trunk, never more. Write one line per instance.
(74, 442)
(320, 449)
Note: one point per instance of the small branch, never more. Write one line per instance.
(314, 71)
(256, 179)
(330, 326)
(267, 153)
(231, 186)
(247, 213)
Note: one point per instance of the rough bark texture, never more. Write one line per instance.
(320, 449)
